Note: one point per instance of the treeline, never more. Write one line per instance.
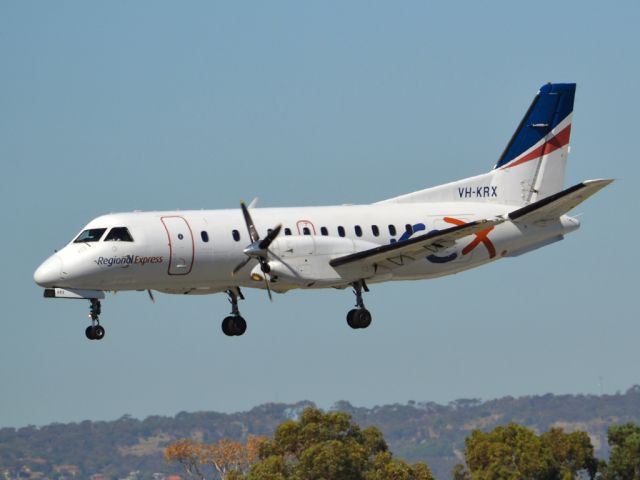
(323, 446)
(416, 432)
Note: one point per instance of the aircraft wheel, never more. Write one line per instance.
(351, 318)
(89, 333)
(227, 324)
(363, 318)
(98, 332)
(239, 326)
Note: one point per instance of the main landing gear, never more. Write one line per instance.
(95, 331)
(234, 325)
(359, 317)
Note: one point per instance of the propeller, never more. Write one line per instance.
(257, 249)
(153, 300)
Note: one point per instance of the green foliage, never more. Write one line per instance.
(273, 467)
(509, 453)
(569, 453)
(513, 452)
(624, 462)
(387, 468)
(330, 446)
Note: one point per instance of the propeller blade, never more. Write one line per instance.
(253, 233)
(266, 283)
(153, 300)
(240, 266)
(271, 236)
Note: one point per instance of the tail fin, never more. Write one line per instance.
(532, 165)
(536, 156)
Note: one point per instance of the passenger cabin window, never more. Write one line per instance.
(341, 231)
(236, 235)
(408, 228)
(91, 235)
(287, 231)
(375, 230)
(205, 236)
(392, 230)
(118, 234)
(306, 231)
(324, 231)
(358, 230)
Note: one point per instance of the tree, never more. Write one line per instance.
(187, 453)
(221, 459)
(624, 461)
(513, 452)
(510, 452)
(330, 446)
(569, 453)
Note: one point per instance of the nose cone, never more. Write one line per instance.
(49, 272)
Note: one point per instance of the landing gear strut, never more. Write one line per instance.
(234, 324)
(359, 317)
(95, 331)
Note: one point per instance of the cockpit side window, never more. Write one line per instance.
(119, 234)
(91, 235)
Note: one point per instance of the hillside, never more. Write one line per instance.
(131, 448)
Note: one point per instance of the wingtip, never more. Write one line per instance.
(599, 182)
(605, 181)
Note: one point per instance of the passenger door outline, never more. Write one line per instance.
(300, 224)
(181, 245)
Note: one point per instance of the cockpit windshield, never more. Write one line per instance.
(91, 235)
(119, 234)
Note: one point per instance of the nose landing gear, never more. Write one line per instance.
(95, 331)
(359, 317)
(234, 325)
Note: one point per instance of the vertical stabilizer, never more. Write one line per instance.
(532, 165)
(536, 156)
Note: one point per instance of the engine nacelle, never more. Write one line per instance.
(303, 261)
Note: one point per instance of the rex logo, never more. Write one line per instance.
(480, 237)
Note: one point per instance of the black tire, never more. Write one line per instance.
(363, 318)
(89, 333)
(98, 332)
(227, 324)
(239, 326)
(351, 318)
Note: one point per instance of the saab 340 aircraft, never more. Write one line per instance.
(518, 206)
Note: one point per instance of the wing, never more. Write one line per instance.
(556, 205)
(401, 253)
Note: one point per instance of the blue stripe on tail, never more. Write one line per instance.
(550, 106)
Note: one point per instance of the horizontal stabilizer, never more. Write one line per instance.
(400, 253)
(556, 205)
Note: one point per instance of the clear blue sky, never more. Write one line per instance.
(116, 106)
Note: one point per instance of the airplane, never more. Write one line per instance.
(520, 205)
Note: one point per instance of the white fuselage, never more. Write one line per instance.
(194, 252)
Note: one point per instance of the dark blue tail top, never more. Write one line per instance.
(550, 106)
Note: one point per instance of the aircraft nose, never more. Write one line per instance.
(49, 272)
